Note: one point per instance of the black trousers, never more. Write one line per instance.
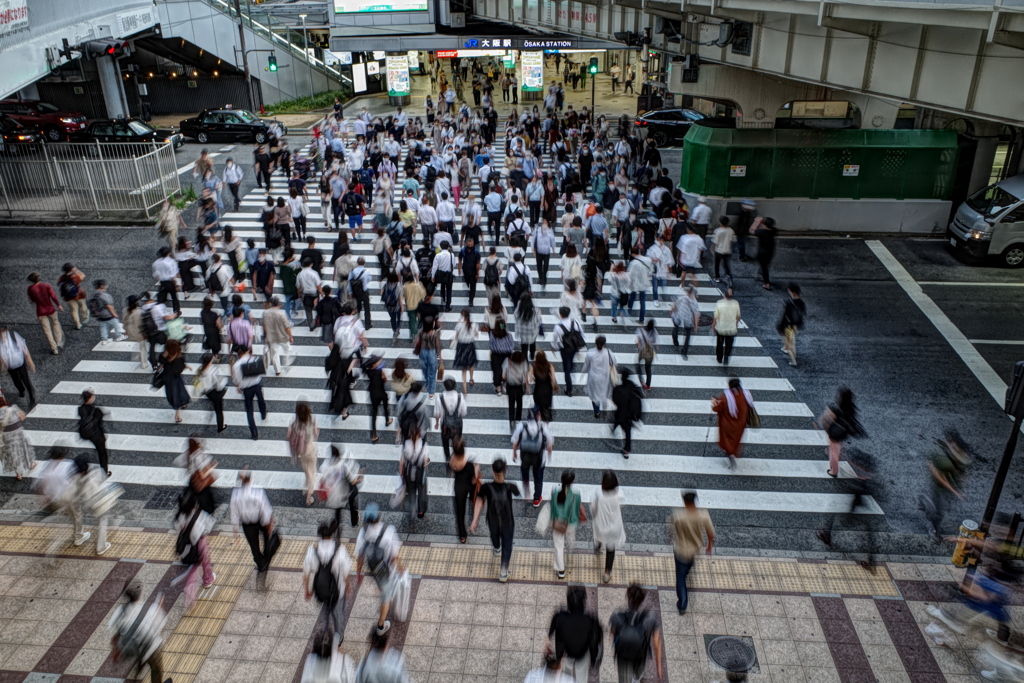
(376, 404)
(445, 283)
(515, 402)
(234, 193)
(647, 369)
(542, 267)
(494, 223)
(263, 177)
(627, 429)
(497, 360)
(765, 262)
(168, 289)
(723, 347)
(567, 358)
(217, 399)
(308, 302)
(686, 341)
(528, 350)
(252, 536)
(100, 443)
(300, 226)
(353, 508)
(22, 382)
(534, 212)
(461, 499)
(724, 260)
(160, 338)
(471, 283)
(364, 303)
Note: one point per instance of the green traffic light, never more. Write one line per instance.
(272, 62)
(593, 65)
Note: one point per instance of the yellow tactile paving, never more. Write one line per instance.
(234, 566)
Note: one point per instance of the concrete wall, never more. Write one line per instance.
(24, 52)
(919, 216)
(216, 33)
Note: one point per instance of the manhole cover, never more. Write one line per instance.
(731, 653)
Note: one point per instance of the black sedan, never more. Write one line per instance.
(228, 124)
(13, 134)
(128, 130)
(670, 125)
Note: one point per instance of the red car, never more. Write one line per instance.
(55, 124)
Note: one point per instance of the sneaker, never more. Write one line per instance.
(657, 304)
(503, 575)
(105, 342)
(536, 502)
(561, 575)
(381, 630)
(123, 337)
(105, 548)
(86, 535)
(497, 551)
(212, 580)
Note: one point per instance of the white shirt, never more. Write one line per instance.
(240, 380)
(701, 214)
(444, 262)
(445, 211)
(544, 241)
(427, 215)
(690, 247)
(165, 269)
(453, 400)
(319, 554)
(512, 275)
(441, 236)
(389, 541)
(661, 255)
(12, 350)
(233, 174)
(250, 505)
(722, 240)
(561, 327)
(640, 269)
(307, 281)
(727, 316)
(542, 675)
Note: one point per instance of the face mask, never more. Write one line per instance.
(261, 259)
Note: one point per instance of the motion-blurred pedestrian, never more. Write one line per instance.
(137, 629)
(497, 496)
(793, 313)
(946, 465)
(193, 524)
(734, 407)
(840, 424)
(725, 325)
(17, 361)
(325, 575)
(302, 435)
(92, 429)
(637, 637)
(606, 519)
(251, 511)
(377, 549)
(574, 636)
(47, 304)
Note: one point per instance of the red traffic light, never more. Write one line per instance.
(111, 49)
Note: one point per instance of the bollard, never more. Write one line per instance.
(962, 553)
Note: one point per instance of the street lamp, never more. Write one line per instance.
(305, 49)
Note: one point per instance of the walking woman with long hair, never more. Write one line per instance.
(501, 344)
(516, 374)
(172, 365)
(465, 347)
(528, 325)
(545, 384)
(606, 517)
(566, 512)
(646, 349)
(302, 435)
(840, 423)
(467, 481)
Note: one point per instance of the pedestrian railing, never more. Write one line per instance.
(86, 180)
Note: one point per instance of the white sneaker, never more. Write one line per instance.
(86, 535)
(104, 342)
(123, 337)
(657, 304)
(105, 548)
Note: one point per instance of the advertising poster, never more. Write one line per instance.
(372, 68)
(414, 59)
(398, 75)
(352, 6)
(532, 70)
(14, 15)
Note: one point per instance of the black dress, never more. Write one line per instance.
(590, 292)
(211, 341)
(174, 386)
(464, 488)
(543, 395)
(341, 379)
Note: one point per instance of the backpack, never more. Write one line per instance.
(646, 351)
(631, 642)
(519, 287)
(129, 644)
(213, 280)
(796, 317)
(491, 274)
(376, 561)
(94, 305)
(519, 232)
(494, 176)
(425, 263)
(531, 443)
(356, 283)
(572, 339)
(325, 583)
(184, 547)
(149, 324)
(451, 423)
(68, 289)
(351, 204)
(575, 271)
(409, 419)
(390, 296)
(405, 268)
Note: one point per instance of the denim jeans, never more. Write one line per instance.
(428, 365)
(655, 283)
(291, 305)
(682, 570)
(643, 304)
(108, 326)
(615, 306)
(501, 537)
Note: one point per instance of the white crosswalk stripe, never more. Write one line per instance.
(782, 474)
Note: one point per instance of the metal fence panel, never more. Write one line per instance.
(86, 180)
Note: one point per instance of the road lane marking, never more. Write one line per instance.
(988, 377)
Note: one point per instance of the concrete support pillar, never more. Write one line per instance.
(875, 113)
(111, 87)
(984, 157)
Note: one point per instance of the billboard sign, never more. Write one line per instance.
(532, 71)
(398, 75)
(354, 6)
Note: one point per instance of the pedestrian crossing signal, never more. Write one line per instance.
(593, 65)
(272, 63)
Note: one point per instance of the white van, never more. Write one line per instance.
(991, 223)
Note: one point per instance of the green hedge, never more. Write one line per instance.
(304, 104)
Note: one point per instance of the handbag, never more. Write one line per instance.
(837, 431)
(158, 378)
(613, 374)
(254, 368)
(560, 525)
(753, 419)
(440, 371)
(201, 479)
(544, 519)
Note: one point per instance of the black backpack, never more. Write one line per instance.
(351, 204)
(631, 642)
(572, 339)
(356, 283)
(376, 561)
(451, 423)
(491, 275)
(184, 547)
(409, 419)
(500, 504)
(519, 287)
(149, 324)
(213, 281)
(325, 583)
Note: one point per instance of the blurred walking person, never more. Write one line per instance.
(646, 349)
(722, 241)
(413, 461)
(172, 366)
(598, 367)
(325, 575)
(15, 451)
(606, 519)
(464, 342)
(382, 664)
(42, 295)
(567, 512)
(550, 672)
(840, 424)
(377, 549)
(793, 313)
(137, 633)
(340, 477)
(96, 496)
(629, 404)
(326, 663)
(17, 361)
(302, 435)
(637, 638)
(467, 479)
(685, 314)
(858, 488)
(91, 427)
(497, 496)
(212, 383)
(734, 407)
(689, 525)
(575, 637)
(250, 510)
(765, 234)
(192, 548)
(73, 293)
(725, 325)
(946, 464)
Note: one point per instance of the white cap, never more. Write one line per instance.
(702, 200)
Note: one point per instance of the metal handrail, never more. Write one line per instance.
(262, 23)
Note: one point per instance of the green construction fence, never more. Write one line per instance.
(840, 164)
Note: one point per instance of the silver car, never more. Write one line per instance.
(991, 223)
